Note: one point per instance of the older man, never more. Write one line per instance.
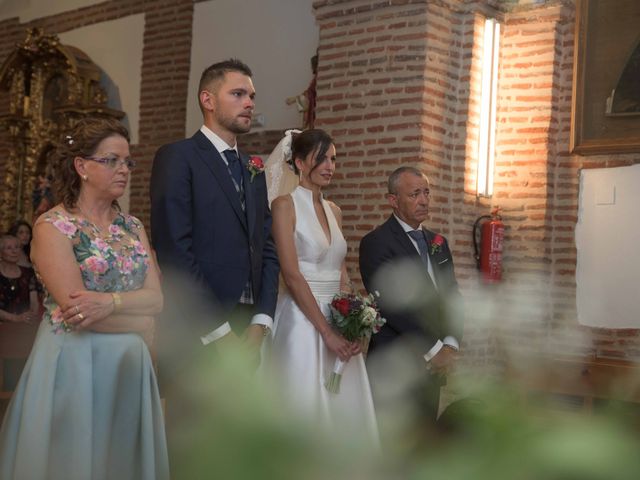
(410, 268)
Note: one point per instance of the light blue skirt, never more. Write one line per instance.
(86, 407)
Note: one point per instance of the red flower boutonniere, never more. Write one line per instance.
(436, 243)
(255, 166)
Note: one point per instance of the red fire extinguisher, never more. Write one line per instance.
(489, 258)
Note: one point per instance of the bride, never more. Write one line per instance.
(312, 249)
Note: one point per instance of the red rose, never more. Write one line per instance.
(342, 306)
(436, 243)
(255, 166)
(257, 162)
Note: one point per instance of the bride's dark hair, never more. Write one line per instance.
(314, 141)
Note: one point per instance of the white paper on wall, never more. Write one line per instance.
(608, 248)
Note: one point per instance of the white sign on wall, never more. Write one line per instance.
(608, 244)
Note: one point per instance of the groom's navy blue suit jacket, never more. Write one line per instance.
(207, 246)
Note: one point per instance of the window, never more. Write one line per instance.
(489, 89)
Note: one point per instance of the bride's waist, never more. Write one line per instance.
(324, 287)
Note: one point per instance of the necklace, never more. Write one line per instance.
(87, 218)
(13, 280)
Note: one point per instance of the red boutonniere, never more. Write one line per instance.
(436, 243)
(255, 166)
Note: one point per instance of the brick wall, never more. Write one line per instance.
(394, 88)
(539, 178)
(398, 84)
(261, 142)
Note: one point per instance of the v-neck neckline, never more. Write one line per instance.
(324, 205)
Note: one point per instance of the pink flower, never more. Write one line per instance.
(65, 226)
(139, 248)
(127, 265)
(115, 230)
(59, 325)
(101, 244)
(56, 315)
(96, 264)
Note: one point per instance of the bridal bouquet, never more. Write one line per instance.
(355, 317)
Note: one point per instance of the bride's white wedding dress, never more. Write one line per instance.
(297, 355)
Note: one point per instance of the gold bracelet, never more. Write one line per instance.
(117, 301)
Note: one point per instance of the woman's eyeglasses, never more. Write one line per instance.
(114, 162)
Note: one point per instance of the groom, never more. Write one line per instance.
(420, 340)
(211, 228)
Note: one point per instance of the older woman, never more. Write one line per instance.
(18, 295)
(18, 299)
(87, 405)
(22, 231)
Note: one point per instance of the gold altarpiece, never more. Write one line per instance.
(45, 88)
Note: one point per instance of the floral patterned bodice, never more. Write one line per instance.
(112, 261)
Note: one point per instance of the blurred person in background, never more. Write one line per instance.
(18, 294)
(18, 301)
(23, 232)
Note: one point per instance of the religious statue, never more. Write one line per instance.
(306, 101)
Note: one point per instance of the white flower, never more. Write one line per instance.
(369, 315)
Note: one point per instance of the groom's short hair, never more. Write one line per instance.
(216, 72)
(392, 184)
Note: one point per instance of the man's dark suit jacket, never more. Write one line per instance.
(419, 325)
(208, 248)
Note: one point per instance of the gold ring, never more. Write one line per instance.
(77, 309)
(80, 316)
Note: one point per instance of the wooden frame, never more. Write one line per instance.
(606, 34)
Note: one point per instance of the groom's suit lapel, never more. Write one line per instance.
(249, 194)
(214, 162)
